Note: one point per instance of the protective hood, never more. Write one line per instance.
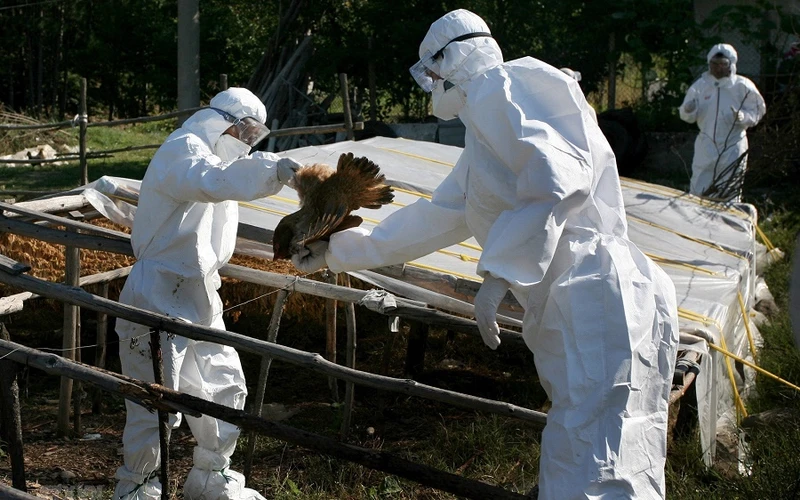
(466, 59)
(728, 51)
(239, 102)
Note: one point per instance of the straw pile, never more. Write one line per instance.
(47, 262)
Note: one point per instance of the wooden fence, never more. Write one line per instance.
(22, 220)
(81, 120)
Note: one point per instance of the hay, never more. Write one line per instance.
(48, 262)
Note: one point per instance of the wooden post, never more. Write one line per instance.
(163, 415)
(612, 72)
(348, 117)
(82, 120)
(330, 334)
(373, 97)
(266, 362)
(100, 353)
(350, 362)
(272, 138)
(70, 332)
(415, 355)
(12, 421)
(223, 81)
(77, 423)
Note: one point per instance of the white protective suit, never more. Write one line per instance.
(184, 231)
(715, 105)
(537, 186)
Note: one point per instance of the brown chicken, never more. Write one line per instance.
(327, 197)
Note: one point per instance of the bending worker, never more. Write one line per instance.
(537, 186)
(724, 105)
(184, 231)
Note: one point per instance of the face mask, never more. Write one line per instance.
(228, 148)
(447, 103)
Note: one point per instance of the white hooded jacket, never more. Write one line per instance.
(184, 232)
(537, 186)
(722, 138)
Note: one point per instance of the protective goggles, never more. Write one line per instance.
(251, 131)
(426, 70)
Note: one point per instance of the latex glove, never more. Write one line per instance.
(487, 300)
(738, 116)
(287, 169)
(312, 257)
(690, 106)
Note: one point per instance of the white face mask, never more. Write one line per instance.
(228, 148)
(447, 103)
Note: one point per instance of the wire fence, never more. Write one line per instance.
(81, 120)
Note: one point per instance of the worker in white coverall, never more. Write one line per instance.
(184, 231)
(724, 105)
(537, 186)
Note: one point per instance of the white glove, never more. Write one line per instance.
(287, 169)
(738, 116)
(487, 300)
(312, 257)
(690, 106)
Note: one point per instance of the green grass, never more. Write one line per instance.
(497, 450)
(48, 177)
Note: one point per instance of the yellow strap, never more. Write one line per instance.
(698, 200)
(764, 238)
(754, 367)
(445, 271)
(419, 157)
(676, 263)
(736, 396)
(694, 316)
(414, 193)
(685, 236)
(747, 325)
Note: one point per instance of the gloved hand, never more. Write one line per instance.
(312, 258)
(738, 115)
(487, 300)
(287, 169)
(690, 106)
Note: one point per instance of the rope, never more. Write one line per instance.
(419, 157)
(746, 319)
(694, 316)
(686, 236)
(764, 238)
(676, 263)
(739, 404)
(753, 366)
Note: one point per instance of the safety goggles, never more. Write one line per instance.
(251, 131)
(720, 62)
(426, 71)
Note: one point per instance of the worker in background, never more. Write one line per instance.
(537, 186)
(183, 233)
(724, 105)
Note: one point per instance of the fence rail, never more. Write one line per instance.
(81, 120)
(77, 234)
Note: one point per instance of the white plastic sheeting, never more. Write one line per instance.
(708, 250)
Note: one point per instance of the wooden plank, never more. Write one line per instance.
(65, 238)
(11, 266)
(15, 303)
(316, 129)
(69, 223)
(311, 361)
(63, 203)
(163, 398)
(12, 420)
(330, 333)
(350, 361)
